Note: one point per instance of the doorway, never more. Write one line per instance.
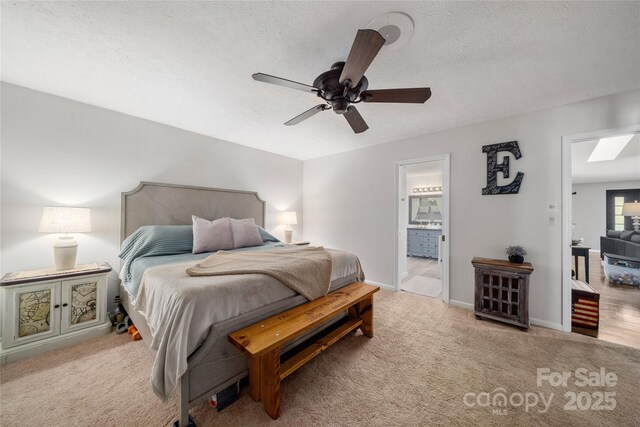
(422, 224)
(601, 176)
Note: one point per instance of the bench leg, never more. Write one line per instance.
(270, 382)
(254, 378)
(365, 311)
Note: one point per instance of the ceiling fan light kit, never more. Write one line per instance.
(345, 83)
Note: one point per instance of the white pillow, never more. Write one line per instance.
(245, 233)
(211, 236)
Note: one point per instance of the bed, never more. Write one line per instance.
(202, 362)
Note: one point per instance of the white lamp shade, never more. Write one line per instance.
(288, 218)
(62, 219)
(631, 209)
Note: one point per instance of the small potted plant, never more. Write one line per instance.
(516, 254)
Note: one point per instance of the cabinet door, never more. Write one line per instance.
(32, 312)
(414, 246)
(83, 302)
(501, 293)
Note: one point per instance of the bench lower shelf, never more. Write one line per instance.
(316, 347)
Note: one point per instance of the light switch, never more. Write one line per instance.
(552, 220)
(552, 206)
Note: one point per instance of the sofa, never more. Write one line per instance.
(624, 243)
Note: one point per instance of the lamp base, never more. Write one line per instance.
(288, 235)
(636, 222)
(64, 253)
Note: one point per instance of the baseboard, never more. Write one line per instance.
(461, 304)
(31, 349)
(382, 285)
(595, 250)
(536, 322)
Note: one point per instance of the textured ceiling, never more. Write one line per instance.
(625, 167)
(189, 64)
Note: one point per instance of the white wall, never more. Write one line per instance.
(60, 152)
(589, 209)
(348, 197)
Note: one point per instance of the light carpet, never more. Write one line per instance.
(422, 285)
(416, 370)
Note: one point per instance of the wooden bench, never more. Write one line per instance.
(262, 341)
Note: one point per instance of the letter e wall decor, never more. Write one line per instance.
(493, 167)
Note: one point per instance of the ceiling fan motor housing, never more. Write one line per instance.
(340, 96)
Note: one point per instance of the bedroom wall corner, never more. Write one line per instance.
(56, 151)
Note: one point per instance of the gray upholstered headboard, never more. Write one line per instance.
(152, 203)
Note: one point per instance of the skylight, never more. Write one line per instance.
(609, 148)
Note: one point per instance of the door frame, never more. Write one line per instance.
(567, 140)
(446, 198)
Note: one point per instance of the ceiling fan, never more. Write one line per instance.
(345, 84)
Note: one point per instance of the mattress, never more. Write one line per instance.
(183, 313)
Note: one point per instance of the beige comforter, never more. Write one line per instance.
(306, 270)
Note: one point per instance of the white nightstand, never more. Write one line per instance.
(47, 309)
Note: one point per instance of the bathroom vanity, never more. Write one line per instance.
(425, 225)
(423, 242)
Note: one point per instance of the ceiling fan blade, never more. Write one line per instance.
(418, 95)
(304, 116)
(365, 47)
(355, 120)
(266, 78)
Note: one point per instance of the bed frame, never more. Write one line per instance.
(154, 203)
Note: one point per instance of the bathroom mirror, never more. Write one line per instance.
(425, 210)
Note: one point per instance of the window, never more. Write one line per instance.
(614, 200)
(618, 219)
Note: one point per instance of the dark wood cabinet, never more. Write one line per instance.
(502, 291)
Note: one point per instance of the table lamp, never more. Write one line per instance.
(288, 218)
(65, 220)
(632, 210)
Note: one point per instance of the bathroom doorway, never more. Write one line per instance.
(422, 223)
